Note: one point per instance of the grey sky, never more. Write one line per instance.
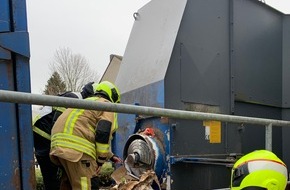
(92, 28)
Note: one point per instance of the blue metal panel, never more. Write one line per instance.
(24, 125)
(22, 73)
(9, 164)
(4, 16)
(150, 95)
(126, 128)
(17, 42)
(17, 166)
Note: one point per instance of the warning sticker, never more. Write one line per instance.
(212, 131)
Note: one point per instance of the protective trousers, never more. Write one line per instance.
(78, 173)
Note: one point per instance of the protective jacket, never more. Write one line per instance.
(78, 131)
(43, 122)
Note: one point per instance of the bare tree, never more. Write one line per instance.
(74, 69)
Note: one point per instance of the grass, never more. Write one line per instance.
(39, 180)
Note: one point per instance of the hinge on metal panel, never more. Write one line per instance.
(17, 42)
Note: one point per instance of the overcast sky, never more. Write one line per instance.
(93, 28)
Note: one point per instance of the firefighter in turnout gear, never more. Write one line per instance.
(81, 138)
(259, 170)
(42, 125)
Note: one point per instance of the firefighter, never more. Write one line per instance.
(259, 170)
(42, 125)
(81, 138)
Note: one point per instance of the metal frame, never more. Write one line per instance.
(17, 166)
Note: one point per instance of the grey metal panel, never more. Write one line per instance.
(150, 44)
(198, 73)
(285, 138)
(187, 63)
(286, 88)
(112, 70)
(257, 53)
(286, 62)
(172, 80)
(188, 138)
(204, 38)
(198, 78)
(253, 136)
(199, 177)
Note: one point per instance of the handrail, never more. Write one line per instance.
(37, 99)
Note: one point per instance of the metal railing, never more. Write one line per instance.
(37, 99)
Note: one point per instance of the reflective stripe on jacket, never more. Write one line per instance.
(42, 113)
(74, 142)
(41, 132)
(74, 133)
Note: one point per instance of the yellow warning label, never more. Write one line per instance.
(212, 131)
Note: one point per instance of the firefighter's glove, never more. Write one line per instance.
(87, 90)
(116, 159)
(101, 161)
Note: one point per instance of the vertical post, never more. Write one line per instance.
(20, 60)
(231, 57)
(268, 137)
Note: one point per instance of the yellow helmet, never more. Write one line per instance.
(259, 169)
(95, 86)
(109, 90)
